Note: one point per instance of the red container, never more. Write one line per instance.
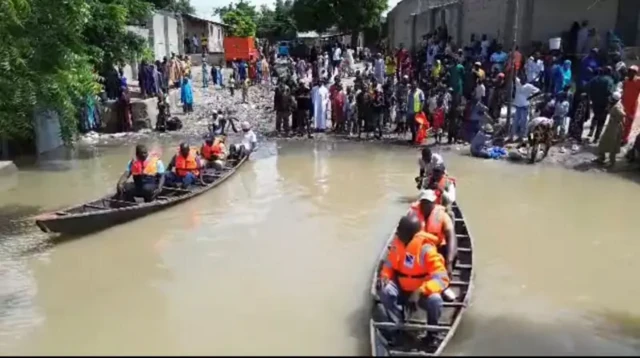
(241, 48)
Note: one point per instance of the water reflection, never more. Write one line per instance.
(278, 259)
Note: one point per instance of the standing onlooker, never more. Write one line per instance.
(600, 90)
(338, 109)
(378, 68)
(456, 78)
(186, 95)
(630, 94)
(204, 41)
(560, 113)
(498, 59)
(583, 37)
(415, 104)
(124, 110)
(320, 98)
(533, 70)
(205, 75)
(194, 43)
(521, 102)
(612, 137)
(337, 58)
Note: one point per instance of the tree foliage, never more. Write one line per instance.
(348, 16)
(277, 24)
(42, 63)
(174, 6)
(52, 51)
(246, 20)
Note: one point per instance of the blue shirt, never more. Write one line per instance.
(498, 60)
(159, 166)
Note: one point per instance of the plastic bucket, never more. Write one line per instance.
(554, 43)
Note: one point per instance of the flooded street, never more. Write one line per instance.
(278, 259)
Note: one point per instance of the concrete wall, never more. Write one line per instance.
(214, 32)
(552, 17)
(47, 129)
(484, 17)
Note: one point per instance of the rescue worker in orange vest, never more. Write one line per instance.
(443, 185)
(213, 152)
(413, 271)
(437, 222)
(187, 167)
(148, 176)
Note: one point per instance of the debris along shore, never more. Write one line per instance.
(259, 112)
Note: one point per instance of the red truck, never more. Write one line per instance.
(240, 48)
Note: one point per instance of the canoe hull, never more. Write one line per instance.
(89, 217)
(461, 285)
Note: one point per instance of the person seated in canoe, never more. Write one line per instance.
(148, 177)
(249, 143)
(213, 152)
(187, 165)
(436, 221)
(414, 272)
(426, 162)
(443, 185)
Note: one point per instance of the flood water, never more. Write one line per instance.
(278, 259)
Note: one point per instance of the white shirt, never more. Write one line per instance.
(533, 69)
(523, 92)
(428, 167)
(480, 91)
(337, 54)
(248, 139)
(484, 48)
(431, 54)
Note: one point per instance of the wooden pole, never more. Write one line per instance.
(512, 63)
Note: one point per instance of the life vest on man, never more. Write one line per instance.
(390, 66)
(417, 265)
(144, 170)
(423, 126)
(187, 165)
(443, 185)
(434, 224)
(213, 151)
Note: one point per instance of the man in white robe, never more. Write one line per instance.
(320, 99)
(378, 69)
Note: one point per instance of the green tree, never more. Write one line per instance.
(352, 16)
(241, 18)
(174, 6)
(277, 24)
(42, 64)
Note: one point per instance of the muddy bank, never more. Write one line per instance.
(258, 111)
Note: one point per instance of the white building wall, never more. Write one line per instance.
(552, 17)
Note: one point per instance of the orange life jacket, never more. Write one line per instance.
(187, 165)
(213, 151)
(443, 184)
(418, 265)
(147, 167)
(434, 224)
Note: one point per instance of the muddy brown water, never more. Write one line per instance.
(278, 259)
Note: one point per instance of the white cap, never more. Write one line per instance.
(428, 194)
(616, 96)
(245, 125)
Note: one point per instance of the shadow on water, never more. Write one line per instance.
(610, 333)
(14, 219)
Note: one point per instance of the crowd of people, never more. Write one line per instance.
(461, 94)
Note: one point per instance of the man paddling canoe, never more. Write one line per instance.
(426, 162)
(188, 167)
(148, 176)
(437, 222)
(413, 271)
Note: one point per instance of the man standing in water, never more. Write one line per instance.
(148, 176)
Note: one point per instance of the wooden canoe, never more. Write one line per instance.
(404, 339)
(107, 212)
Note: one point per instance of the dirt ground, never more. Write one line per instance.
(259, 112)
